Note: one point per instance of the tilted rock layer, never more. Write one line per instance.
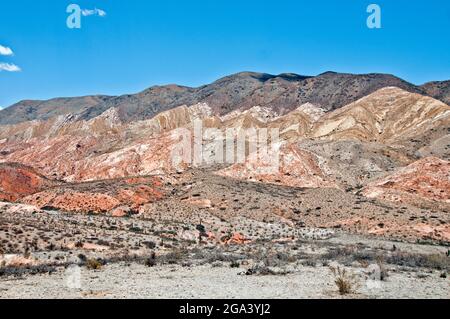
(427, 179)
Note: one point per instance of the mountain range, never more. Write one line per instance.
(373, 139)
(283, 93)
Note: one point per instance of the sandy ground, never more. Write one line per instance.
(138, 281)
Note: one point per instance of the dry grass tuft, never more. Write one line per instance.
(344, 280)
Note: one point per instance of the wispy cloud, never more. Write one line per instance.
(93, 12)
(5, 50)
(8, 67)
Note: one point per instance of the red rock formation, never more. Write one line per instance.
(118, 197)
(427, 179)
(235, 239)
(17, 181)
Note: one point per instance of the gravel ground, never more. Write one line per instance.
(138, 281)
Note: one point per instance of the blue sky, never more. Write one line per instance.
(140, 43)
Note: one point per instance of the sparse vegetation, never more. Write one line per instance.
(433, 261)
(93, 264)
(344, 280)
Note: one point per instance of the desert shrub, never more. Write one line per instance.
(102, 242)
(261, 270)
(309, 262)
(222, 256)
(29, 270)
(344, 280)
(173, 257)
(235, 264)
(93, 264)
(151, 260)
(217, 264)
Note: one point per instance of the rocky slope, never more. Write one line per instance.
(29, 110)
(392, 126)
(425, 180)
(439, 90)
(296, 168)
(388, 116)
(282, 93)
(117, 197)
(17, 181)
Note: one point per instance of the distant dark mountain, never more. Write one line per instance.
(42, 110)
(438, 90)
(282, 92)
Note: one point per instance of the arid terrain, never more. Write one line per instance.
(350, 200)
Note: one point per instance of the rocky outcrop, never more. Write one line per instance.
(117, 197)
(425, 180)
(294, 167)
(18, 181)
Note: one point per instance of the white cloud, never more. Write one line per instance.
(5, 50)
(96, 12)
(9, 67)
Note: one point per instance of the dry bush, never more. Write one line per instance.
(93, 264)
(344, 280)
(151, 260)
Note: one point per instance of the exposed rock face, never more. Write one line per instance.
(69, 152)
(298, 123)
(261, 114)
(424, 180)
(352, 163)
(296, 168)
(388, 116)
(17, 181)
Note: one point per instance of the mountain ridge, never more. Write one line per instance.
(283, 93)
